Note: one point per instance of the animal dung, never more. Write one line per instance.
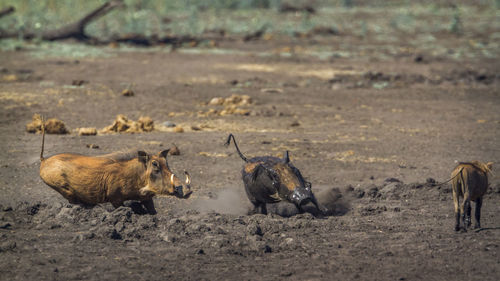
(87, 131)
(93, 146)
(231, 106)
(178, 130)
(128, 93)
(238, 100)
(52, 126)
(272, 90)
(174, 150)
(147, 124)
(123, 124)
(78, 82)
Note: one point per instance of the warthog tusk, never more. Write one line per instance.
(172, 179)
(188, 178)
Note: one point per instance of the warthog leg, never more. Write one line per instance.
(477, 212)
(466, 211)
(457, 221)
(323, 210)
(457, 209)
(67, 193)
(149, 205)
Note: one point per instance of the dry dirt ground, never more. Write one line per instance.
(371, 135)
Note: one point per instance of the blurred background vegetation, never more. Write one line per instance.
(425, 21)
(194, 17)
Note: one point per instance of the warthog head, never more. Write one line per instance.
(161, 179)
(291, 182)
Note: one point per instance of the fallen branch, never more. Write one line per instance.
(74, 30)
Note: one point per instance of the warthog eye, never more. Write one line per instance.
(156, 166)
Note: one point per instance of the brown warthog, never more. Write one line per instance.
(114, 177)
(469, 180)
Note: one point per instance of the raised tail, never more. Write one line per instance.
(228, 142)
(43, 138)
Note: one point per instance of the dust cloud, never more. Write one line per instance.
(333, 199)
(227, 201)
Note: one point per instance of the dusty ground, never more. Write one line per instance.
(367, 133)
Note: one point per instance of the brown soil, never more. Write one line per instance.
(370, 135)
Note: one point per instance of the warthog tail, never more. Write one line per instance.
(228, 142)
(450, 179)
(43, 138)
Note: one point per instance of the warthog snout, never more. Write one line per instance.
(301, 196)
(181, 190)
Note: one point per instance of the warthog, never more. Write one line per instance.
(271, 179)
(470, 181)
(113, 178)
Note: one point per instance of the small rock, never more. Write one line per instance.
(392, 180)
(373, 191)
(115, 235)
(178, 130)
(8, 246)
(5, 225)
(430, 180)
(93, 146)
(358, 193)
(267, 249)
(169, 124)
(254, 229)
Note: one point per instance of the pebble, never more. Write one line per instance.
(169, 124)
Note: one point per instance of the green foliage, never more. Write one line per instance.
(419, 23)
(456, 26)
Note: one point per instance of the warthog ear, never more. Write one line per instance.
(269, 172)
(286, 158)
(164, 153)
(143, 156)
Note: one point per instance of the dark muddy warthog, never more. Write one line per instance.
(270, 180)
(114, 177)
(470, 181)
